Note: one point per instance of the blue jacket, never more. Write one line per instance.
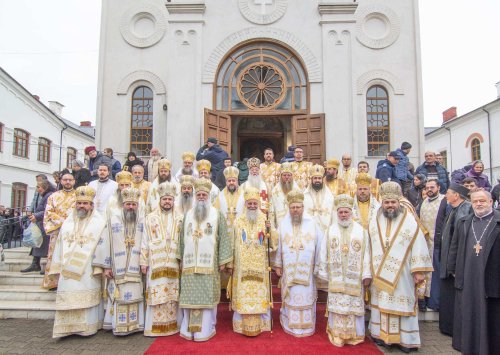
(95, 162)
(443, 178)
(386, 171)
(402, 172)
(215, 155)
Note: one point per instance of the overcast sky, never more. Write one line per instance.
(51, 48)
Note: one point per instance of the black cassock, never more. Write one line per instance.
(476, 327)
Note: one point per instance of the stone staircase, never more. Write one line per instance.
(20, 294)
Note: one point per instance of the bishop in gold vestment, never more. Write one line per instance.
(336, 185)
(365, 204)
(249, 289)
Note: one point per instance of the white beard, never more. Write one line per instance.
(252, 216)
(201, 210)
(254, 181)
(345, 224)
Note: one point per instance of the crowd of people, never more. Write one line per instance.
(140, 249)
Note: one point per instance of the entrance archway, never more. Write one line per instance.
(261, 96)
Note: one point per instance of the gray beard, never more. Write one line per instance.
(252, 216)
(232, 189)
(286, 186)
(345, 224)
(130, 216)
(119, 197)
(482, 214)
(155, 158)
(82, 213)
(201, 210)
(393, 215)
(297, 220)
(187, 171)
(186, 202)
(254, 181)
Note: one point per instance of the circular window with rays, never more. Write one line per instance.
(261, 86)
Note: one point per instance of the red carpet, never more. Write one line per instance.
(227, 342)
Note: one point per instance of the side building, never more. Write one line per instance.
(469, 137)
(34, 139)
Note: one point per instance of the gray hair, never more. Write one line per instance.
(78, 162)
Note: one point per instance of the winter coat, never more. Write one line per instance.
(116, 167)
(443, 178)
(129, 164)
(215, 155)
(415, 195)
(243, 168)
(482, 180)
(95, 162)
(386, 171)
(39, 214)
(82, 177)
(289, 156)
(402, 172)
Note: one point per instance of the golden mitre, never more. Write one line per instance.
(332, 163)
(203, 184)
(164, 164)
(188, 156)
(85, 194)
(295, 196)
(124, 177)
(344, 201)
(316, 170)
(167, 189)
(363, 179)
(187, 180)
(131, 194)
(286, 168)
(251, 193)
(390, 190)
(231, 172)
(203, 165)
(253, 163)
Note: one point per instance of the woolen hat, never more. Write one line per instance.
(89, 149)
(459, 189)
(405, 145)
(212, 140)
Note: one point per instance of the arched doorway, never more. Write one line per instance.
(260, 84)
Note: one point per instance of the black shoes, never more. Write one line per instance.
(35, 266)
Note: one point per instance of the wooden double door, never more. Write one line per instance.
(307, 132)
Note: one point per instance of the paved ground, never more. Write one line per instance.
(21, 336)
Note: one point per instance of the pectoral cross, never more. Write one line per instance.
(263, 4)
(154, 292)
(478, 248)
(197, 234)
(129, 242)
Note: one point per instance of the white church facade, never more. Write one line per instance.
(330, 76)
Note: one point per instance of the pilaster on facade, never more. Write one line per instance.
(186, 11)
(337, 11)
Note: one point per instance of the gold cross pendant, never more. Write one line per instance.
(478, 248)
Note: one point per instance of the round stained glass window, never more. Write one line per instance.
(261, 86)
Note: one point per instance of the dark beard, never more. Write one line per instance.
(186, 202)
(317, 186)
(231, 189)
(392, 215)
(129, 216)
(82, 213)
(162, 179)
(330, 177)
(297, 220)
(187, 171)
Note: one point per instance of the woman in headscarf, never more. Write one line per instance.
(476, 172)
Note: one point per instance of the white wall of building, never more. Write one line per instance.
(19, 109)
(462, 130)
(345, 52)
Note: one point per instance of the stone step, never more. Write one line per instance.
(15, 278)
(428, 316)
(15, 264)
(25, 293)
(27, 310)
(18, 253)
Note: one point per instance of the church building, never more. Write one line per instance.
(330, 76)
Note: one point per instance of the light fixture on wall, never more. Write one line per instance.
(165, 107)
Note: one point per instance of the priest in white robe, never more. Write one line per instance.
(344, 263)
(279, 206)
(79, 308)
(230, 202)
(120, 254)
(204, 167)
(400, 259)
(164, 175)
(318, 199)
(296, 255)
(185, 200)
(104, 188)
(159, 263)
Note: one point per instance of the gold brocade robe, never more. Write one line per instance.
(143, 187)
(301, 173)
(59, 205)
(348, 175)
(337, 186)
(270, 173)
(249, 287)
(364, 212)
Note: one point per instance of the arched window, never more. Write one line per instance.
(44, 150)
(19, 191)
(475, 149)
(377, 121)
(141, 133)
(70, 156)
(261, 76)
(21, 143)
